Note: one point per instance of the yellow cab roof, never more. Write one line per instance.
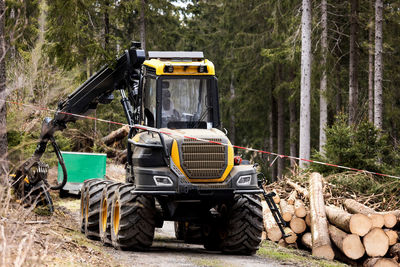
(181, 67)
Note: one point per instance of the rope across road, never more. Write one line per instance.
(175, 133)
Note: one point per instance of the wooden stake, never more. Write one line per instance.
(321, 245)
(376, 243)
(349, 244)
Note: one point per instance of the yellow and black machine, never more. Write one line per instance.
(180, 165)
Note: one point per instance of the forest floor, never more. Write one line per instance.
(37, 239)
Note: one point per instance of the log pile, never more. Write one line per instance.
(348, 231)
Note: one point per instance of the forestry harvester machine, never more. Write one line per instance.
(180, 166)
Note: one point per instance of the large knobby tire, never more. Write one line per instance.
(132, 220)
(83, 202)
(92, 209)
(244, 226)
(105, 212)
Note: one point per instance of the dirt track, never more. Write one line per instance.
(167, 251)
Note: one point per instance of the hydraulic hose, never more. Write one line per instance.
(61, 161)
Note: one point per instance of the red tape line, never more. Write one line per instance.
(146, 128)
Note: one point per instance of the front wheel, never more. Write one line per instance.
(133, 219)
(244, 226)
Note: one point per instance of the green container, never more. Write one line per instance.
(80, 167)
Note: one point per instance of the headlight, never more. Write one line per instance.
(244, 180)
(162, 181)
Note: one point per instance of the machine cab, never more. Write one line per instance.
(179, 91)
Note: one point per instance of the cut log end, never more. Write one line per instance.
(380, 262)
(377, 220)
(376, 243)
(353, 247)
(392, 235)
(390, 220)
(306, 240)
(292, 237)
(325, 252)
(298, 225)
(360, 224)
(274, 234)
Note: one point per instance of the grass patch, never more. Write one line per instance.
(299, 257)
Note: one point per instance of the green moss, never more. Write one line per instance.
(210, 263)
(299, 257)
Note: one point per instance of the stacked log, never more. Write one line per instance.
(357, 234)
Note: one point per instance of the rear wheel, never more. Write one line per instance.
(83, 202)
(92, 208)
(132, 220)
(105, 212)
(244, 227)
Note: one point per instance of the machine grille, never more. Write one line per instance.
(203, 160)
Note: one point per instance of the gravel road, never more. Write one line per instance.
(167, 251)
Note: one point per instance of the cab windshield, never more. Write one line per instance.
(184, 103)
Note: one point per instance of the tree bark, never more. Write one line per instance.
(301, 190)
(349, 244)
(353, 63)
(272, 229)
(355, 207)
(305, 86)
(319, 224)
(293, 121)
(323, 104)
(292, 197)
(358, 224)
(378, 101)
(371, 66)
(143, 24)
(3, 95)
(106, 25)
(116, 135)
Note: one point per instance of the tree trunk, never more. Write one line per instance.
(3, 95)
(272, 229)
(355, 207)
(321, 246)
(371, 66)
(353, 63)
(293, 121)
(106, 25)
(376, 243)
(281, 134)
(338, 98)
(350, 245)
(323, 105)
(272, 136)
(143, 24)
(378, 101)
(305, 86)
(358, 224)
(232, 131)
(116, 135)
